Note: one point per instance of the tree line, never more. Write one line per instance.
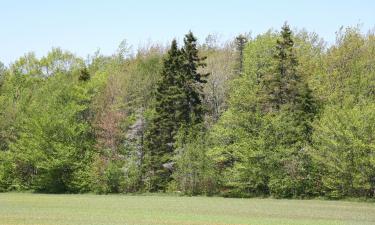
(281, 114)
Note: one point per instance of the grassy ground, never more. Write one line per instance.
(43, 209)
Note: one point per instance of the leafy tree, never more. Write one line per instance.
(344, 150)
(59, 61)
(297, 123)
(15, 94)
(121, 110)
(342, 137)
(235, 137)
(2, 73)
(54, 144)
(194, 171)
(221, 67)
(268, 123)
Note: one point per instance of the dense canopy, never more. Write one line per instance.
(281, 114)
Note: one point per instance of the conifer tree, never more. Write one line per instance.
(165, 124)
(84, 74)
(294, 93)
(285, 87)
(193, 80)
(292, 109)
(178, 106)
(240, 42)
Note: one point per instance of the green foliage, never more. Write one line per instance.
(240, 42)
(194, 171)
(193, 81)
(178, 103)
(344, 150)
(280, 115)
(259, 142)
(6, 171)
(54, 143)
(106, 176)
(167, 118)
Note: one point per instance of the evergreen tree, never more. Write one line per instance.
(284, 88)
(178, 105)
(84, 74)
(240, 43)
(290, 111)
(281, 86)
(193, 81)
(165, 124)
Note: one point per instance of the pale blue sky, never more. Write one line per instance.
(82, 27)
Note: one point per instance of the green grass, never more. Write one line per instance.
(43, 209)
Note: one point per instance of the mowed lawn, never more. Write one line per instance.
(87, 209)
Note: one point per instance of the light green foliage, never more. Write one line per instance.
(109, 177)
(194, 171)
(221, 64)
(121, 110)
(54, 144)
(46, 132)
(6, 172)
(281, 115)
(15, 94)
(350, 75)
(259, 143)
(345, 150)
(343, 138)
(233, 138)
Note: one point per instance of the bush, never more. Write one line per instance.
(194, 171)
(6, 173)
(107, 176)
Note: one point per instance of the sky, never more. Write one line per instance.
(84, 26)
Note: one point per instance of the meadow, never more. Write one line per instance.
(88, 209)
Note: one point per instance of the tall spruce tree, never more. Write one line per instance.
(293, 93)
(280, 86)
(165, 124)
(284, 87)
(291, 110)
(240, 43)
(178, 106)
(193, 80)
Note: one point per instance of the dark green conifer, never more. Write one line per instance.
(193, 80)
(240, 43)
(178, 105)
(165, 124)
(285, 87)
(84, 74)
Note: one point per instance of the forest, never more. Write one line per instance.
(280, 114)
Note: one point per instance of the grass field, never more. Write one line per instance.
(42, 209)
